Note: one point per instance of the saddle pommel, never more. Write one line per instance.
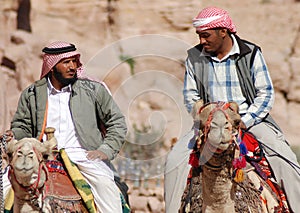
(49, 131)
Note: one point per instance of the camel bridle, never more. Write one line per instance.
(34, 190)
(220, 106)
(202, 132)
(3, 146)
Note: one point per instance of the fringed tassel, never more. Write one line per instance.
(194, 160)
(239, 163)
(60, 206)
(239, 175)
(243, 149)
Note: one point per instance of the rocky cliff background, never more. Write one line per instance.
(138, 49)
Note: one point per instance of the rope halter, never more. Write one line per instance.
(2, 171)
(219, 106)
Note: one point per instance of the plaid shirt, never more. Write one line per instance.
(224, 85)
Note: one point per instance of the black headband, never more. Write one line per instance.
(59, 50)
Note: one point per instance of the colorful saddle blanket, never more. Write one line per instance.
(60, 186)
(256, 158)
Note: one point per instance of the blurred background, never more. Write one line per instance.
(138, 49)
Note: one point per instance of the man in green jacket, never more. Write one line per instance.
(78, 108)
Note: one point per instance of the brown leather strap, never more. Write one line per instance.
(44, 122)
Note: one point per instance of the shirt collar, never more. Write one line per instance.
(234, 50)
(54, 91)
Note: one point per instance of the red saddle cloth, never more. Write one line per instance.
(59, 185)
(262, 167)
(60, 191)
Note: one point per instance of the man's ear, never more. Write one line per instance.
(223, 32)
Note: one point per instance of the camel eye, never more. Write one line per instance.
(213, 125)
(30, 154)
(19, 153)
(227, 125)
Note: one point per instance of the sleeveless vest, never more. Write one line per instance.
(243, 61)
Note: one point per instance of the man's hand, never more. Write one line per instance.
(96, 154)
(8, 134)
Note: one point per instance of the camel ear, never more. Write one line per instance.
(204, 114)
(234, 106)
(234, 114)
(11, 146)
(195, 110)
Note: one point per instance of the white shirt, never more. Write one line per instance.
(59, 116)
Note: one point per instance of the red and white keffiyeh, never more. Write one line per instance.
(57, 51)
(213, 17)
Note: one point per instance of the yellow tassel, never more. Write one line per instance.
(9, 200)
(239, 176)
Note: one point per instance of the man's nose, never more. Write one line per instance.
(72, 65)
(202, 40)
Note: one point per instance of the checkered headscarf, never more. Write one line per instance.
(213, 17)
(57, 51)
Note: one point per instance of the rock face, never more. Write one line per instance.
(107, 30)
(138, 48)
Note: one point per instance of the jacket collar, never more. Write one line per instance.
(41, 82)
(244, 49)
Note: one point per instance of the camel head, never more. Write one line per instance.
(25, 159)
(218, 123)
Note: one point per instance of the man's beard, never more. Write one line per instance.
(61, 79)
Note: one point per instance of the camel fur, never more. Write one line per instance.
(212, 187)
(29, 177)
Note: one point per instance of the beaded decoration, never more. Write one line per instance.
(239, 161)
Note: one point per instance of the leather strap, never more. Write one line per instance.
(44, 122)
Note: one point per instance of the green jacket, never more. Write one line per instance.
(90, 104)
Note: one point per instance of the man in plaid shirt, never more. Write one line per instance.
(224, 67)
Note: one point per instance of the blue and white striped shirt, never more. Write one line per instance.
(224, 85)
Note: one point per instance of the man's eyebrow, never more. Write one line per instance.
(203, 33)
